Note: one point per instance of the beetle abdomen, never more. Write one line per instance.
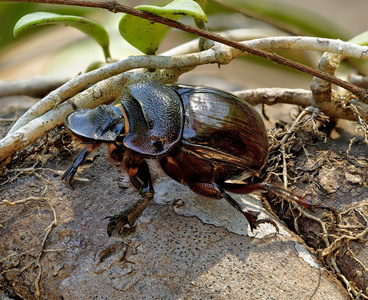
(223, 128)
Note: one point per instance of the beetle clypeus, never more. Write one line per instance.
(203, 138)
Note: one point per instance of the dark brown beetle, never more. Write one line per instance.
(203, 138)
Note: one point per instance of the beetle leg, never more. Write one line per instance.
(265, 187)
(305, 202)
(69, 174)
(140, 177)
(214, 191)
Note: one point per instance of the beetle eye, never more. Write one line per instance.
(158, 145)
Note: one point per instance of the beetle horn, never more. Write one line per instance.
(105, 123)
(154, 113)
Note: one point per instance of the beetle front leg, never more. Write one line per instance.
(140, 177)
(69, 174)
(214, 191)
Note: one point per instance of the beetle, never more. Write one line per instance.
(205, 138)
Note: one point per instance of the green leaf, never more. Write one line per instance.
(146, 35)
(360, 39)
(89, 27)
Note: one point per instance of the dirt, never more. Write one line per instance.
(325, 171)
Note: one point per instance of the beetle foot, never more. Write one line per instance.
(252, 217)
(330, 209)
(69, 174)
(308, 204)
(270, 221)
(128, 217)
(121, 225)
(120, 222)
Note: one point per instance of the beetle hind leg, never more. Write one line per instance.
(214, 191)
(263, 187)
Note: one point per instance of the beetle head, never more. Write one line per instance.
(148, 118)
(104, 123)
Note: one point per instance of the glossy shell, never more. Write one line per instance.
(223, 129)
(154, 114)
(105, 123)
(203, 124)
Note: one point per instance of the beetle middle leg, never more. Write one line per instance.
(214, 191)
(140, 177)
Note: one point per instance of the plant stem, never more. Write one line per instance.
(115, 7)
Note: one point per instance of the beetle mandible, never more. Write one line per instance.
(203, 137)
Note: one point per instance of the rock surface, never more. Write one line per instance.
(184, 246)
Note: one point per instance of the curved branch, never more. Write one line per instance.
(26, 135)
(34, 87)
(219, 54)
(271, 96)
(304, 98)
(345, 49)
